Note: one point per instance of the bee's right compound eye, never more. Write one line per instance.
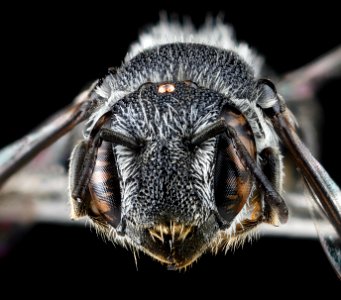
(104, 187)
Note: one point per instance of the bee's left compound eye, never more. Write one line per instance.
(233, 182)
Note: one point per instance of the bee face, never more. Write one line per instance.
(176, 200)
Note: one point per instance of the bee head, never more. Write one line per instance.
(176, 197)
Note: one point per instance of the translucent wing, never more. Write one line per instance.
(39, 191)
(324, 190)
(329, 237)
(16, 155)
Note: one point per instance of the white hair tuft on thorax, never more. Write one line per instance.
(213, 33)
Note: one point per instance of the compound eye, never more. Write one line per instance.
(233, 182)
(104, 187)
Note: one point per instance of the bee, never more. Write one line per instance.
(182, 147)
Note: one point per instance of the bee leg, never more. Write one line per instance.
(324, 190)
(85, 154)
(82, 164)
(93, 182)
(271, 165)
(79, 207)
(272, 169)
(271, 195)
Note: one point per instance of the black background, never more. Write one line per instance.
(50, 53)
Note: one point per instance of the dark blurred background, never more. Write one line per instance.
(50, 52)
